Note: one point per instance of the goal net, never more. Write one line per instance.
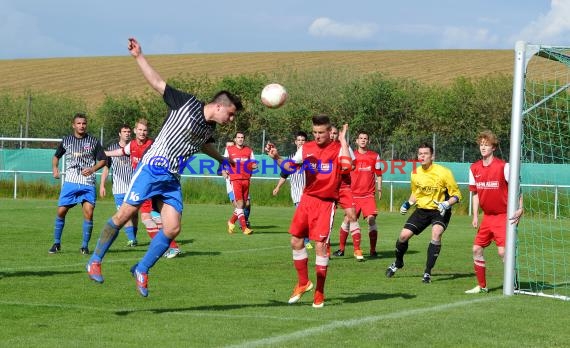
(26, 168)
(541, 106)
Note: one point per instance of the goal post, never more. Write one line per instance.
(537, 251)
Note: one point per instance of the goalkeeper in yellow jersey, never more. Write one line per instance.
(434, 191)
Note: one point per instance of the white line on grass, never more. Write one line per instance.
(323, 329)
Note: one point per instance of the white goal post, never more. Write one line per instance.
(538, 249)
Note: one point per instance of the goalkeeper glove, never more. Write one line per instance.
(404, 208)
(442, 207)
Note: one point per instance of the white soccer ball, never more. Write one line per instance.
(273, 95)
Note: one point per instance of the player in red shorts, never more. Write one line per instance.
(240, 178)
(350, 222)
(136, 149)
(366, 180)
(323, 161)
(488, 181)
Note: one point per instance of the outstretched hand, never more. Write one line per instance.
(134, 47)
(271, 151)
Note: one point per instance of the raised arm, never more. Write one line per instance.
(152, 77)
(345, 158)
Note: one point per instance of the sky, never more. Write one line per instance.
(72, 28)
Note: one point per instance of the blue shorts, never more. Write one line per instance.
(147, 183)
(72, 193)
(231, 196)
(119, 198)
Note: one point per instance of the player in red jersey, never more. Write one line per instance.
(488, 181)
(323, 161)
(350, 221)
(240, 178)
(136, 149)
(366, 180)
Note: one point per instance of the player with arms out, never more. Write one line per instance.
(323, 161)
(488, 181)
(435, 191)
(83, 157)
(187, 129)
(122, 174)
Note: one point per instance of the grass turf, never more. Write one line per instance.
(232, 290)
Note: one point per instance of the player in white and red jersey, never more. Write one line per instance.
(488, 181)
(366, 180)
(323, 161)
(240, 176)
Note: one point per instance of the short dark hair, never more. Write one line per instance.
(79, 115)
(124, 126)
(363, 132)
(239, 132)
(226, 98)
(322, 120)
(426, 146)
(301, 134)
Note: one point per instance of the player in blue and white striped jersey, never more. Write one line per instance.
(187, 129)
(296, 179)
(122, 174)
(83, 157)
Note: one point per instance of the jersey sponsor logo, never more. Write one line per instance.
(488, 185)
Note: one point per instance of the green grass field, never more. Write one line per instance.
(232, 290)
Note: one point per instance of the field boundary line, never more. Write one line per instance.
(327, 328)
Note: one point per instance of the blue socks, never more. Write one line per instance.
(58, 229)
(87, 230)
(108, 235)
(158, 246)
(130, 231)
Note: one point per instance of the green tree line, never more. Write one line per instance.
(398, 113)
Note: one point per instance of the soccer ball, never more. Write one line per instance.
(273, 95)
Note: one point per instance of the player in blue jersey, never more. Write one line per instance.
(187, 129)
(83, 157)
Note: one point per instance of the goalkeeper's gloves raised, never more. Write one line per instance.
(405, 206)
(442, 207)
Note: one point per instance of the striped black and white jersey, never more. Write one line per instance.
(297, 180)
(80, 153)
(183, 133)
(122, 170)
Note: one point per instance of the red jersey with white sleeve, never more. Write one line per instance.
(136, 150)
(363, 177)
(321, 165)
(491, 185)
(243, 158)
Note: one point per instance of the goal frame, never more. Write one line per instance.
(524, 52)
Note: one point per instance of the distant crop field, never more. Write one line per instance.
(92, 78)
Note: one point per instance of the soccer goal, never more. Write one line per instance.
(26, 167)
(537, 259)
